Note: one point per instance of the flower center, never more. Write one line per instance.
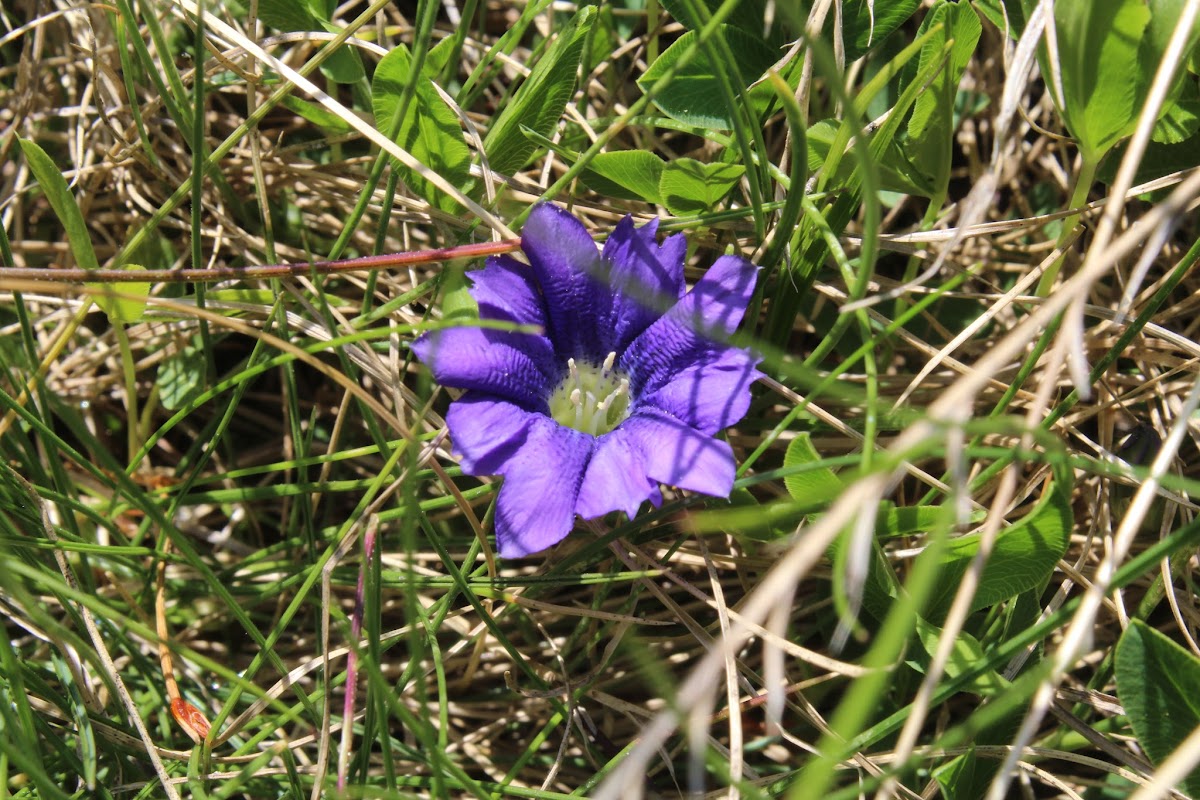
(591, 399)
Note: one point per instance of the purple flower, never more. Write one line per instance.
(621, 391)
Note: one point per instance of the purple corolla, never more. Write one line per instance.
(621, 391)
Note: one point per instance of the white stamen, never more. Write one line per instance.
(609, 360)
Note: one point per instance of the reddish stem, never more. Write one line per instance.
(408, 259)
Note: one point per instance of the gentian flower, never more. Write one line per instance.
(621, 391)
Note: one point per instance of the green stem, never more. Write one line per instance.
(1083, 185)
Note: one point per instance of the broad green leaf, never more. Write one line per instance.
(429, 130)
(881, 587)
(181, 376)
(1098, 55)
(1108, 54)
(866, 23)
(122, 302)
(49, 175)
(287, 15)
(688, 186)
(931, 126)
(1158, 160)
(892, 522)
(1022, 558)
(1181, 119)
(538, 102)
(748, 15)
(964, 657)
(626, 174)
(316, 114)
(749, 520)
(896, 172)
(1158, 683)
(457, 302)
(815, 486)
(342, 66)
(694, 95)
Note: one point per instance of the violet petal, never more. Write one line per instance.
(519, 367)
(679, 455)
(683, 336)
(536, 506)
(646, 278)
(710, 395)
(564, 260)
(505, 290)
(486, 432)
(616, 478)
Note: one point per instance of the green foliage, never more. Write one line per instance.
(931, 127)
(428, 128)
(180, 377)
(1022, 558)
(812, 488)
(538, 102)
(687, 186)
(1158, 683)
(249, 434)
(693, 95)
(344, 65)
(869, 22)
(626, 174)
(50, 176)
(122, 302)
(1107, 55)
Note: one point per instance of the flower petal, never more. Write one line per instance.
(536, 506)
(519, 367)
(616, 477)
(486, 433)
(681, 338)
(710, 395)
(504, 290)
(647, 278)
(564, 259)
(679, 455)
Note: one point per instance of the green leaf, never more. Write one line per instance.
(688, 186)
(748, 15)
(693, 96)
(1108, 53)
(896, 172)
(457, 302)
(287, 15)
(538, 103)
(626, 175)
(429, 130)
(1098, 53)
(1158, 683)
(181, 376)
(1022, 558)
(316, 114)
(748, 520)
(812, 486)
(931, 126)
(1181, 119)
(866, 23)
(122, 302)
(342, 66)
(965, 656)
(54, 186)
(892, 522)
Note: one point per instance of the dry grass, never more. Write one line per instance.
(613, 661)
